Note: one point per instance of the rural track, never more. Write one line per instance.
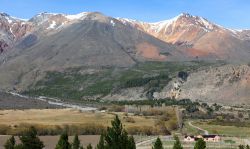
(145, 141)
(196, 127)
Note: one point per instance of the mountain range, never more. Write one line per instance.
(50, 42)
(191, 36)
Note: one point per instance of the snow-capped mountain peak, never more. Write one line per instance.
(81, 15)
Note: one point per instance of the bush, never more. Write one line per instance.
(183, 75)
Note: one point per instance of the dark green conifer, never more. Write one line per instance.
(157, 144)
(10, 143)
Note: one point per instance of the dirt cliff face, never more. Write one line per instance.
(229, 84)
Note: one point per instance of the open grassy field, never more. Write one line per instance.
(64, 116)
(54, 121)
(230, 131)
(225, 130)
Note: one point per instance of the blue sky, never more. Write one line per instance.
(230, 13)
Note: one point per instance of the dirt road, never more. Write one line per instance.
(196, 127)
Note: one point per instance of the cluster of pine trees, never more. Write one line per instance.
(200, 144)
(29, 140)
(244, 147)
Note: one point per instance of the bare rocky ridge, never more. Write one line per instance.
(200, 37)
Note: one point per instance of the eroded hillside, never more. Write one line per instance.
(228, 84)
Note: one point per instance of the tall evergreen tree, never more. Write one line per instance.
(30, 140)
(157, 144)
(247, 147)
(241, 147)
(101, 144)
(76, 143)
(10, 143)
(177, 143)
(63, 142)
(116, 137)
(131, 143)
(200, 144)
(89, 146)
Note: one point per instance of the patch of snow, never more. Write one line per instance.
(112, 22)
(12, 32)
(207, 24)
(52, 25)
(127, 21)
(9, 19)
(158, 26)
(77, 16)
(23, 23)
(61, 26)
(233, 31)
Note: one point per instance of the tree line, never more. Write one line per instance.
(115, 137)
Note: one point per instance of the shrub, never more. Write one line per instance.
(183, 75)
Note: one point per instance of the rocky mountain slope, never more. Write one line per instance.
(61, 41)
(200, 37)
(93, 56)
(11, 30)
(228, 84)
